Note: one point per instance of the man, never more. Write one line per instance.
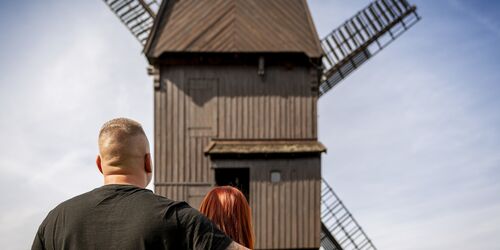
(122, 214)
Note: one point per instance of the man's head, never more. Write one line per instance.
(124, 156)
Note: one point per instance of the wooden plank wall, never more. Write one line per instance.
(179, 158)
(285, 214)
(278, 105)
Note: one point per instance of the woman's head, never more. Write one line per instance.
(228, 208)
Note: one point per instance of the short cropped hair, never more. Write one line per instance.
(121, 127)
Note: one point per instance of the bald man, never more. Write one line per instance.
(122, 214)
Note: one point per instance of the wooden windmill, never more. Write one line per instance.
(236, 88)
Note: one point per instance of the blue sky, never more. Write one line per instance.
(413, 136)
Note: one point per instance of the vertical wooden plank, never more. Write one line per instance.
(314, 104)
(188, 147)
(201, 165)
(221, 98)
(244, 107)
(296, 110)
(169, 128)
(270, 106)
(273, 104)
(269, 207)
(317, 203)
(265, 114)
(157, 138)
(252, 109)
(167, 132)
(253, 115)
(303, 108)
(308, 76)
(290, 110)
(301, 115)
(281, 105)
(274, 211)
(182, 128)
(288, 206)
(258, 203)
(233, 93)
(193, 163)
(259, 125)
(175, 128)
(202, 159)
(306, 116)
(199, 162)
(240, 103)
(278, 98)
(266, 207)
(283, 116)
(227, 108)
(300, 215)
(305, 208)
(282, 209)
(261, 203)
(294, 204)
(206, 162)
(311, 219)
(159, 165)
(234, 109)
(210, 171)
(297, 114)
(251, 198)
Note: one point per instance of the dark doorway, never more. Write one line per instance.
(236, 177)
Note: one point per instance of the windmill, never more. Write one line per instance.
(236, 89)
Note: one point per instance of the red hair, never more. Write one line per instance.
(228, 208)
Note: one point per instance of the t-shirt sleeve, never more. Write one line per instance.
(198, 231)
(38, 241)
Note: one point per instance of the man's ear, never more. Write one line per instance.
(98, 163)
(147, 163)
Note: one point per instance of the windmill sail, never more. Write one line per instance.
(137, 15)
(339, 229)
(362, 36)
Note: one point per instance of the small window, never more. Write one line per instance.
(275, 176)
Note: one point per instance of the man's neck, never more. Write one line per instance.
(124, 180)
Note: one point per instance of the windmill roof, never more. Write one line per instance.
(233, 26)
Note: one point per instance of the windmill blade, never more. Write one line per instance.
(363, 36)
(137, 15)
(339, 229)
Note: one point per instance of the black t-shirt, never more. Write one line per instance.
(127, 217)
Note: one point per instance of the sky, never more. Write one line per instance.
(413, 136)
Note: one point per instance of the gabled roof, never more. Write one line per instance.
(233, 26)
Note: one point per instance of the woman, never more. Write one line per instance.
(228, 208)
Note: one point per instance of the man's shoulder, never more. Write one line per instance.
(169, 204)
(70, 204)
(74, 201)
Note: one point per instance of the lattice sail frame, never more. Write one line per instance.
(362, 36)
(339, 229)
(137, 15)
